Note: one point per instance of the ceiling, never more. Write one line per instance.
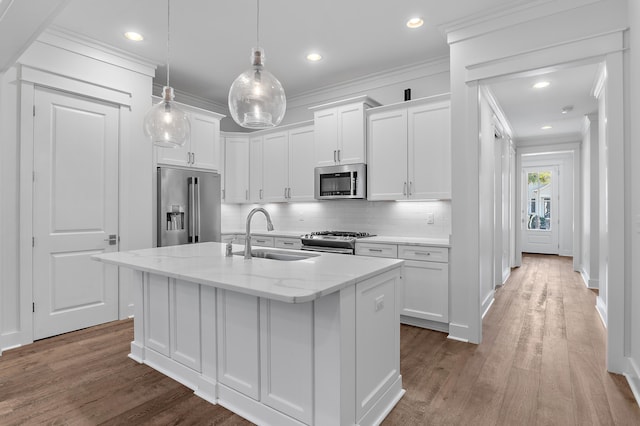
(211, 43)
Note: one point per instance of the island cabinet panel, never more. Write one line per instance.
(377, 332)
(157, 314)
(185, 324)
(239, 342)
(286, 363)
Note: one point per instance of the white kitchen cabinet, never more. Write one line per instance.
(236, 169)
(203, 149)
(288, 165)
(424, 300)
(260, 241)
(409, 150)
(275, 163)
(340, 131)
(256, 192)
(287, 243)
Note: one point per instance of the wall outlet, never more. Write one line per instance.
(430, 219)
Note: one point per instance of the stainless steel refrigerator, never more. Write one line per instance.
(188, 206)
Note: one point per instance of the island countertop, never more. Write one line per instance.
(296, 281)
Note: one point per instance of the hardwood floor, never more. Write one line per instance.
(541, 363)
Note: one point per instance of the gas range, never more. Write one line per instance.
(332, 241)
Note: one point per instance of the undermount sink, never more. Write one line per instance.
(277, 254)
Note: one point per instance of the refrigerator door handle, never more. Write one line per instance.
(197, 209)
(192, 218)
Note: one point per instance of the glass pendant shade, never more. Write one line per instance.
(167, 125)
(256, 97)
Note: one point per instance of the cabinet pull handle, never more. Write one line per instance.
(339, 156)
(410, 188)
(289, 192)
(285, 193)
(246, 194)
(376, 250)
(260, 194)
(286, 243)
(334, 156)
(422, 253)
(193, 158)
(404, 189)
(223, 194)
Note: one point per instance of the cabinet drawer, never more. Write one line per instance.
(262, 241)
(288, 243)
(432, 254)
(378, 250)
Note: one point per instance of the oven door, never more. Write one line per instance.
(326, 249)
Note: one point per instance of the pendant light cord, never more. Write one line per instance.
(168, 39)
(258, 23)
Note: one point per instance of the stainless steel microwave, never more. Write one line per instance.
(347, 181)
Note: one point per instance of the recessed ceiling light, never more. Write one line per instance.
(541, 85)
(314, 57)
(546, 127)
(415, 23)
(133, 36)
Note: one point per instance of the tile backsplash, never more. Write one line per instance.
(403, 219)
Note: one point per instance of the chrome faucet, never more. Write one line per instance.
(247, 243)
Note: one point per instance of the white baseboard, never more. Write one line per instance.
(633, 379)
(459, 332)
(593, 284)
(488, 302)
(423, 323)
(602, 310)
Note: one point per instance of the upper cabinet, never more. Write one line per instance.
(275, 165)
(340, 136)
(203, 149)
(409, 150)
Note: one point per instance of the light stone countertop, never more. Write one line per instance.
(296, 281)
(409, 241)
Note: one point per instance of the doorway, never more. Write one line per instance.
(540, 206)
(75, 211)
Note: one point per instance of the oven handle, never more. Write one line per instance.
(328, 249)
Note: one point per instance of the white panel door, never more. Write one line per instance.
(429, 144)
(387, 169)
(301, 164)
(75, 210)
(540, 209)
(275, 172)
(326, 137)
(236, 168)
(351, 143)
(205, 141)
(256, 192)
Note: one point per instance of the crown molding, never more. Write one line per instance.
(360, 85)
(74, 42)
(501, 17)
(193, 100)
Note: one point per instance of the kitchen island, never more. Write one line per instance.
(286, 342)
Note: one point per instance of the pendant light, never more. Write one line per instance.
(256, 97)
(166, 124)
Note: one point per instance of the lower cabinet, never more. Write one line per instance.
(424, 300)
(292, 243)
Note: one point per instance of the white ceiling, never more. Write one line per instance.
(211, 42)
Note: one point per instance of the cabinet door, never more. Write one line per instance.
(387, 168)
(236, 169)
(429, 139)
(179, 156)
(326, 137)
(275, 166)
(301, 164)
(351, 126)
(426, 290)
(255, 169)
(205, 142)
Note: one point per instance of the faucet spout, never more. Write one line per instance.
(247, 244)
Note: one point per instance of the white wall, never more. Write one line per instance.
(550, 34)
(590, 206)
(405, 219)
(72, 64)
(634, 179)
